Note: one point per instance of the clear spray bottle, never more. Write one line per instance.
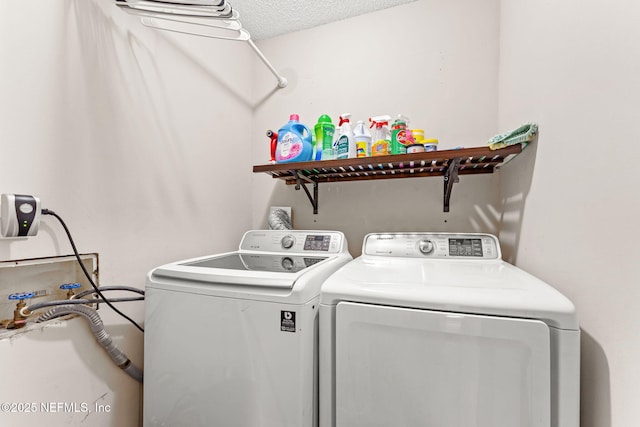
(381, 137)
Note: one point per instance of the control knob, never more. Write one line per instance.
(287, 263)
(426, 247)
(287, 241)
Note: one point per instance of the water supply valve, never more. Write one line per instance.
(19, 320)
(70, 287)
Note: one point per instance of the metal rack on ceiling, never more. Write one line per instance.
(205, 18)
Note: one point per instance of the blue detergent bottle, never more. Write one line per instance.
(294, 142)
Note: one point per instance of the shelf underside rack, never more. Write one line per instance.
(447, 163)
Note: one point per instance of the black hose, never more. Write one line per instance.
(84, 269)
(109, 288)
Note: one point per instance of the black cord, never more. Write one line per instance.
(86, 273)
(104, 289)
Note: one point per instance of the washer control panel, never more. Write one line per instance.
(294, 241)
(433, 245)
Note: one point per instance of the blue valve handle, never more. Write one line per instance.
(70, 286)
(21, 296)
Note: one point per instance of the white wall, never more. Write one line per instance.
(137, 139)
(572, 209)
(434, 61)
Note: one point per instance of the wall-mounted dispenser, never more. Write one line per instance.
(19, 215)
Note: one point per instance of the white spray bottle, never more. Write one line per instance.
(345, 144)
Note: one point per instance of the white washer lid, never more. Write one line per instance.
(274, 259)
(491, 287)
(242, 268)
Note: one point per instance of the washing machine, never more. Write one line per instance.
(435, 329)
(231, 339)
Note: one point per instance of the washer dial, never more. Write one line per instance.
(288, 241)
(426, 247)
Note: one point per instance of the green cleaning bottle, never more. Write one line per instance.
(399, 135)
(324, 131)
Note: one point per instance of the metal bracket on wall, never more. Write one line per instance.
(450, 177)
(300, 182)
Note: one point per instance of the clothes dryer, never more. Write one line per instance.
(231, 339)
(434, 329)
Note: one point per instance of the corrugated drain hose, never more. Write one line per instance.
(279, 220)
(103, 338)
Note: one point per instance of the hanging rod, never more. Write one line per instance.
(198, 19)
(282, 82)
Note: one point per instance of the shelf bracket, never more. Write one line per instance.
(300, 183)
(450, 177)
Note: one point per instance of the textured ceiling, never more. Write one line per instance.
(269, 18)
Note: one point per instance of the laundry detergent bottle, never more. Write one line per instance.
(294, 142)
(324, 130)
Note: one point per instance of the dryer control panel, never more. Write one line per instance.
(294, 241)
(433, 245)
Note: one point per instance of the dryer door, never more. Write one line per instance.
(408, 367)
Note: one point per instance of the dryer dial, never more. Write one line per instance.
(426, 247)
(287, 241)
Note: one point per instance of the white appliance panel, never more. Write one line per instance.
(410, 367)
(472, 246)
(227, 362)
